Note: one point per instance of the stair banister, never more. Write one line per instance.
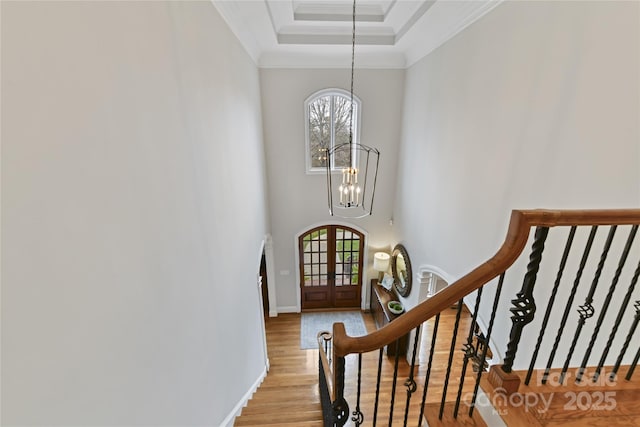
(523, 307)
(517, 234)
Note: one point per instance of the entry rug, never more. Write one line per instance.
(312, 323)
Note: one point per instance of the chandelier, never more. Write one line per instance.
(352, 195)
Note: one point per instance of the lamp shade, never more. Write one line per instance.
(381, 261)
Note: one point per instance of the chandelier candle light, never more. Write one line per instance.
(354, 198)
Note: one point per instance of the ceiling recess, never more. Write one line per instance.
(313, 33)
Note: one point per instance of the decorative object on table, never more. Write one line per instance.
(395, 307)
(401, 267)
(387, 282)
(381, 262)
(382, 315)
(312, 323)
(355, 190)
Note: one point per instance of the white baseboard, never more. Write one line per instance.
(228, 421)
(288, 309)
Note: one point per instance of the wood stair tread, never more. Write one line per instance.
(278, 407)
(571, 404)
(291, 417)
(432, 412)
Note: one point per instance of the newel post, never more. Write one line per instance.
(523, 311)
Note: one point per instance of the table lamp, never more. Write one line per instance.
(381, 264)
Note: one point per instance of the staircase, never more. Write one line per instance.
(584, 314)
(288, 396)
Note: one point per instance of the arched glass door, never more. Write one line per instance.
(330, 267)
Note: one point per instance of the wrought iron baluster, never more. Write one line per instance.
(358, 417)
(607, 301)
(395, 382)
(340, 405)
(627, 341)
(633, 365)
(468, 350)
(411, 383)
(483, 358)
(621, 311)
(451, 350)
(375, 405)
(586, 310)
(524, 306)
(325, 397)
(328, 343)
(572, 295)
(432, 351)
(552, 298)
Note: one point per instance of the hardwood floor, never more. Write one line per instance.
(289, 395)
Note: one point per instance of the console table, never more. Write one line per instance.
(382, 316)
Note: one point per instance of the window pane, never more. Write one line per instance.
(341, 115)
(342, 112)
(319, 130)
(330, 121)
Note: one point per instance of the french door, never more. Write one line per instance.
(330, 267)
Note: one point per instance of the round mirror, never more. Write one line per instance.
(401, 267)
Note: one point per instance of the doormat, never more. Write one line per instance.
(312, 323)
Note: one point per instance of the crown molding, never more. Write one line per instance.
(273, 38)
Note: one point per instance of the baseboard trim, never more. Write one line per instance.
(288, 309)
(228, 421)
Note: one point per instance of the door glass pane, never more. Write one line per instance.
(347, 258)
(314, 258)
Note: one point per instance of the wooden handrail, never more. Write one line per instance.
(517, 235)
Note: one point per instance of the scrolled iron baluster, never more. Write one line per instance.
(496, 299)
(524, 306)
(340, 405)
(434, 336)
(410, 383)
(633, 365)
(569, 303)
(445, 386)
(627, 341)
(375, 407)
(586, 310)
(552, 298)
(605, 309)
(358, 417)
(476, 361)
(469, 351)
(395, 381)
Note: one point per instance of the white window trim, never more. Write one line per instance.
(356, 131)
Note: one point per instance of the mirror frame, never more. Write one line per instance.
(406, 289)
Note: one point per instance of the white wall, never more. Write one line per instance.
(298, 200)
(129, 293)
(534, 106)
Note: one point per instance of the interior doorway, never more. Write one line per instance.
(330, 259)
(264, 285)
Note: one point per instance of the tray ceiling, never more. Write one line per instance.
(317, 33)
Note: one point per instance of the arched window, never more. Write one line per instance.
(327, 125)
